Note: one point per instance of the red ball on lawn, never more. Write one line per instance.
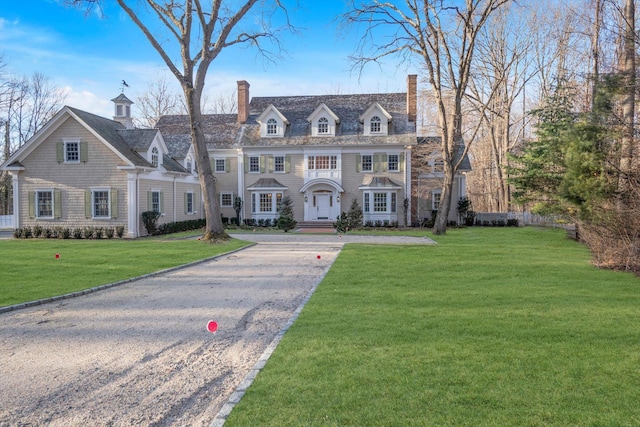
(57, 256)
(318, 257)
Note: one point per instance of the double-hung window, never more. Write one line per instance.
(435, 200)
(226, 200)
(254, 164)
(279, 164)
(266, 202)
(188, 203)
(100, 203)
(44, 204)
(155, 200)
(220, 165)
(393, 163)
(367, 163)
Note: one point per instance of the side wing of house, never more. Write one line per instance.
(66, 177)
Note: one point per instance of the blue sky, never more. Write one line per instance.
(89, 56)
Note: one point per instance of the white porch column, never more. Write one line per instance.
(16, 199)
(241, 183)
(132, 205)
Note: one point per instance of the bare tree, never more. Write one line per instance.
(157, 101)
(443, 36)
(199, 30)
(222, 103)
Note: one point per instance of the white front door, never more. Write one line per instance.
(323, 206)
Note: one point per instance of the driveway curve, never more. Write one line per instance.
(141, 354)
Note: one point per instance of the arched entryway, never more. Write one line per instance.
(321, 200)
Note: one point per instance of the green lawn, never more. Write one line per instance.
(29, 269)
(492, 327)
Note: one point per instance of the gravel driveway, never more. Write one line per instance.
(140, 353)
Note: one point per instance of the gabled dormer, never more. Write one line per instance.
(375, 120)
(323, 121)
(272, 122)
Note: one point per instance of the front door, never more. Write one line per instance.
(323, 205)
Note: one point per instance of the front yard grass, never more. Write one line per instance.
(30, 270)
(492, 327)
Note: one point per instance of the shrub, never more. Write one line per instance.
(354, 216)
(109, 233)
(120, 231)
(150, 221)
(88, 232)
(77, 233)
(512, 222)
(64, 233)
(37, 231)
(99, 233)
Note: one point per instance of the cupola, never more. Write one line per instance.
(123, 110)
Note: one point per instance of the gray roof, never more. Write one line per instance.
(223, 130)
(127, 141)
(347, 107)
(381, 182)
(266, 183)
(110, 131)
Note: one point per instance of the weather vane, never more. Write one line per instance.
(123, 85)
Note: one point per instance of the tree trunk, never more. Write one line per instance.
(214, 229)
(440, 225)
(628, 101)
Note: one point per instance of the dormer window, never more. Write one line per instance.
(189, 164)
(323, 125)
(375, 120)
(154, 157)
(273, 123)
(376, 124)
(272, 127)
(323, 121)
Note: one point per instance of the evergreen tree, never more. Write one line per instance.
(286, 221)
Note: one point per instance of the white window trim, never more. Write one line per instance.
(249, 163)
(159, 192)
(93, 202)
(284, 163)
(37, 191)
(223, 205)
(64, 152)
(397, 163)
(255, 202)
(224, 165)
(370, 209)
(193, 203)
(362, 162)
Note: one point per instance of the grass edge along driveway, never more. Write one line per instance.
(492, 327)
(33, 269)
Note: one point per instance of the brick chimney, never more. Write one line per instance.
(412, 97)
(243, 101)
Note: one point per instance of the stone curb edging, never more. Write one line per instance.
(234, 399)
(35, 303)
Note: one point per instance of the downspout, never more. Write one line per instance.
(407, 178)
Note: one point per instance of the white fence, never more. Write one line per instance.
(6, 221)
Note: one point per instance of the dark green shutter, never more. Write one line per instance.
(376, 163)
(287, 163)
(186, 204)
(263, 163)
(149, 201)
(358, 163)
(246, 164)
(161, 202)
(401, 162)
(227, 165)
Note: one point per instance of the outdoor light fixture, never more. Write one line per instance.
(306, 199)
